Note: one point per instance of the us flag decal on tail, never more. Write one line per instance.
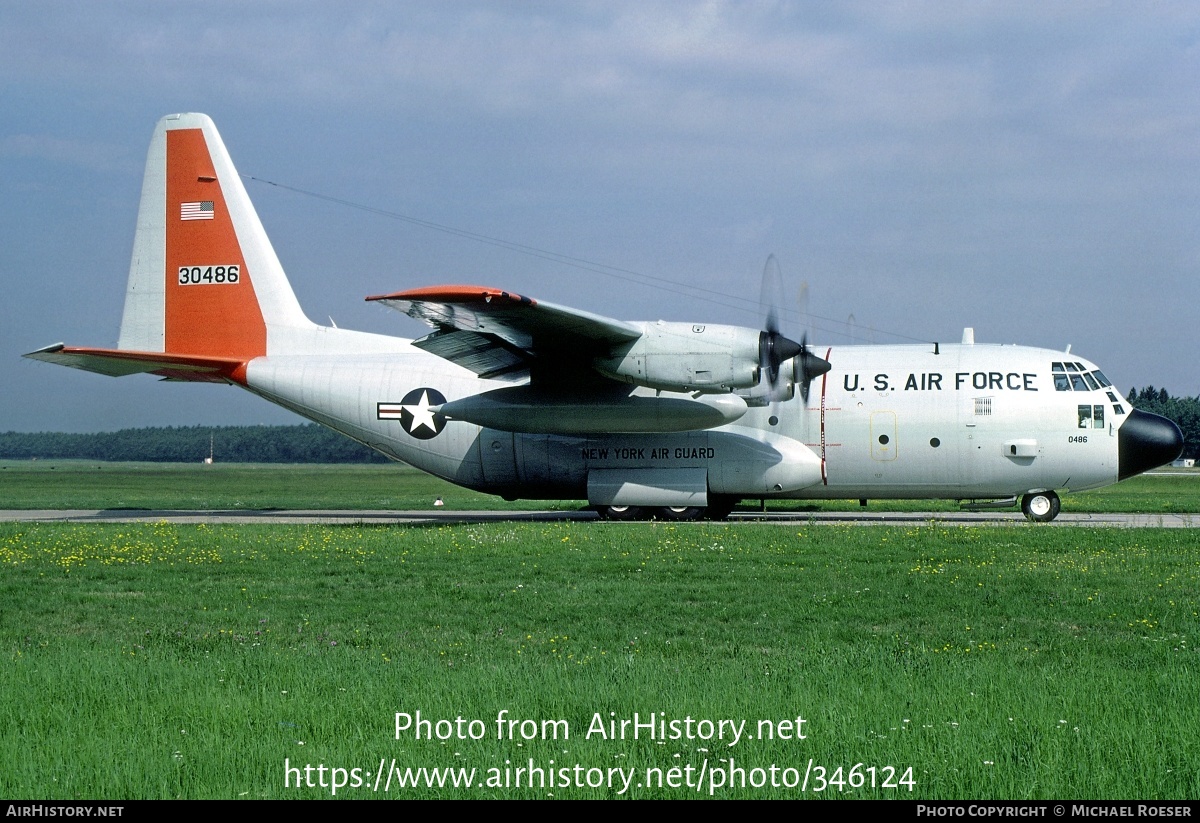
(202, 210)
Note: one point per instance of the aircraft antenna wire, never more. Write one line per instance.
(719, 298)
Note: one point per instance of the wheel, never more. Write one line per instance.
(679, 513)
(1040, 507)
(719, 507)
(619, 512)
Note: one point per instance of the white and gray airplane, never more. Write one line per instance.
(527, 399)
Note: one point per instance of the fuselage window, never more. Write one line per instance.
(1098, 417)
(1085, 417)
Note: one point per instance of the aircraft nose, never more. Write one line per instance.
(1146, 441)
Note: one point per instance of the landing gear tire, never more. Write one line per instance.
(679, 513)
(719, 507)
(619, 512)
(1040, 507)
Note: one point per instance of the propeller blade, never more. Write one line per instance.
(771, 296)
(774, 349)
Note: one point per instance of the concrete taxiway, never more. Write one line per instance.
(444, 517)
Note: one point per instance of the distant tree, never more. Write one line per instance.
(1185, 411)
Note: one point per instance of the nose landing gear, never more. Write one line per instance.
(1040, 507)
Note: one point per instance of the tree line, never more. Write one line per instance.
(308, 443)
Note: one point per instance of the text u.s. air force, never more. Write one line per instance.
(938, 381)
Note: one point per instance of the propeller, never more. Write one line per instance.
(774, 349)
(810, 367)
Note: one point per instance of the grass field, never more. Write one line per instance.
(92, 485)
(71, 484)
(196, 661)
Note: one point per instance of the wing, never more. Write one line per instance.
(494, 332)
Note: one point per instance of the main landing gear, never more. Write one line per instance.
(1040, 507)
(718, 508)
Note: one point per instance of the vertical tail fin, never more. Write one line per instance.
(204, 280)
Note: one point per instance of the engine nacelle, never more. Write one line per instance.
(687, 357)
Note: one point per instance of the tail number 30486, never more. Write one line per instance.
(205, 275)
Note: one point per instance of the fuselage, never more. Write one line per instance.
(952, 421)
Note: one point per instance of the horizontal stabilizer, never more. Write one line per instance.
(119, 362)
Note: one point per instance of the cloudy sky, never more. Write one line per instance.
(1028, 169)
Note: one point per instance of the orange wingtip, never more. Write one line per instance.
(456, 294)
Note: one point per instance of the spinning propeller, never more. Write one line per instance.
(774, 349)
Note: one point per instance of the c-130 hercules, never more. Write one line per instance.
(527, 399)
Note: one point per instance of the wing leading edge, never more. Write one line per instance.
(494, 332)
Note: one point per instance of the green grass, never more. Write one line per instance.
(1168, 492)
(74, 484)
(67, 484)
(191, 661)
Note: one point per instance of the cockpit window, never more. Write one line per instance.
(1074, 377)
(1091, 417)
